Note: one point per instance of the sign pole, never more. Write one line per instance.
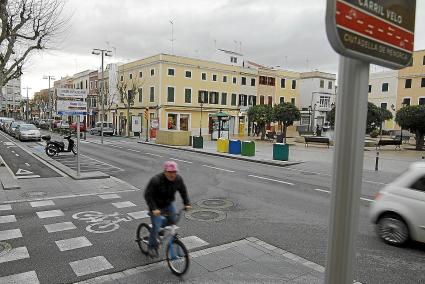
(78, 145)
(351, 113)
(147, 129)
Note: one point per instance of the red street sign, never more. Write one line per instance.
(378, 31)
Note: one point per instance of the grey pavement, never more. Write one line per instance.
(246, 261)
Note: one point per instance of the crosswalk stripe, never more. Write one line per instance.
(139, 214)
(10, 234)
(5, 207)
(7, 219)
(59, 227)
(123, 204)
(29, 277)
(109, 196)
(74, 243)
(42, 203)
(192, 242)
(15, 254)
(50, 214)
(90, 265)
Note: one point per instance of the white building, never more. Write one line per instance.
(228, 57)
(317, 96)
(11, 99)
(383, 93)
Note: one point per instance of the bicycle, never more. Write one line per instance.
(176, 252)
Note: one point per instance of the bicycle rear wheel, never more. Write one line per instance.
(177, 257)
(142, 237)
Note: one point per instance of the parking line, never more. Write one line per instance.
(275, 180)
(183, 161)
(25, 177)
(220, 169)
(328, 191)
(133, 150)
(154, 155)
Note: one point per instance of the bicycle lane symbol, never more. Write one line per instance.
(101, 223)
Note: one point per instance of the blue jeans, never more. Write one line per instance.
(159, 221)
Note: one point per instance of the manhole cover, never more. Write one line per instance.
(215, 203)
(4, 248)
(34, 194)
(206, 215)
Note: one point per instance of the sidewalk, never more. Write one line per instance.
(246, 261)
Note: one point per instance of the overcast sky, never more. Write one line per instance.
(286, 33)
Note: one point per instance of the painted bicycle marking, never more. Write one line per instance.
(101, 223)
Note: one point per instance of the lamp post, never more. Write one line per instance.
(27, 103)
(50, 97)
(200, 121)
(103, 53)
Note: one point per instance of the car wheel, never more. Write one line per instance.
(392, 229)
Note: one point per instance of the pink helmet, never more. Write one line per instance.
(170, 166)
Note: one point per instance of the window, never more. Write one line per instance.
(322, 83)
(233, 102)
(324, 101)
(384, 87)
(281, 100)
(234, 80)
(224, 79)
(419, 184)
(213, 98)
(184, 122)
(270, 81)
(130, 97)
(423, 60)
(330, 85)
(293, 101)
(421, 101)
(152, 95)
(233, 59)
(140, 91)
(294, 84)
(204, 76)
(283, 83)
(243, 100)
(261, 100)
(406, 101)
(384, 105)
(122, 78)
(130, 76)
(214, 77)
(171, 72)
(152, 72)
(252, 81)
(270, 100)
(423, 83)
(408, 84)
(203, 97)
(188, 74)
(170, 94)
(243, 81)
(252, 100)
(188, 96)
(172, 121)
(140, 74)
(224, 98)
(370, 88)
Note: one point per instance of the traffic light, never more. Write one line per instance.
(146, 113)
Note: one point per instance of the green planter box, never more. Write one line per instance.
(248, 148)
(280, 152)
(198, 142)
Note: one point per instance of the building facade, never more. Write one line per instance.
(10, 102)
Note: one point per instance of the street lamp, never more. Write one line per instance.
(103, 53)
(50, 97)
(200, 122)
(27, 105)
(309, 118)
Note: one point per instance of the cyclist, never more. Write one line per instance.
(160, 195)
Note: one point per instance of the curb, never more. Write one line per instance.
(259, 161)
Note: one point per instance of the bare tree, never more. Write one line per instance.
(26, 26)
(127, 96)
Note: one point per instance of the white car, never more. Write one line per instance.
(399, 208)
(27, 132)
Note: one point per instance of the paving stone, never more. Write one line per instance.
(282, 266)
(259, 273)
(248, 251)
(221, 259)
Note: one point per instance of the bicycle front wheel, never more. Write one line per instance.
(142, 237)
(177, 257)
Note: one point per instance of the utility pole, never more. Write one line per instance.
(27, 104)
(172, 37)
(103, 53)
(50, 97)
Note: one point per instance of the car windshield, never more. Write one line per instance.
(15, 123)
(27, 127)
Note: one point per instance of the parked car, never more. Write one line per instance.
(108, 128)
(27, 132)
(399, 208)
(83, 127)
(12, 127)
(4, 121)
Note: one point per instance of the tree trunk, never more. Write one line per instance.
(263, 132)
(284, 133)
(128, 121)
(419, 140)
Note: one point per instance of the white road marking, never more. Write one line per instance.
(192, 242)
(133, 150)
(29, 277)
(183, 161)
(124, 204)
(25, 177)
(154, 155)
(366, 199)
(13, 152)
(74, 243)
(42, 203)
(328, 191)
(139, 214)
(10, 234)
(9, 143)
(109, 196)
(59, 227)
(5, 207)
(220, 169)
(23, 172)
(7, 219)
(275, 180)
(90, 265)
(17, 155)
(27, 164)
(50, 214)
(15, 254)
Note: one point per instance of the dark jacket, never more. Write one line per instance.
(161, 192)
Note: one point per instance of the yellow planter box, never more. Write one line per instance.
(223, 145)
(173, 137)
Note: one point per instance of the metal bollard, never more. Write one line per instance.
(377, 161)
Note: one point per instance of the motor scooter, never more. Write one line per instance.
(53, 148)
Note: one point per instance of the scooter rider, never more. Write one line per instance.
(160, 195)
